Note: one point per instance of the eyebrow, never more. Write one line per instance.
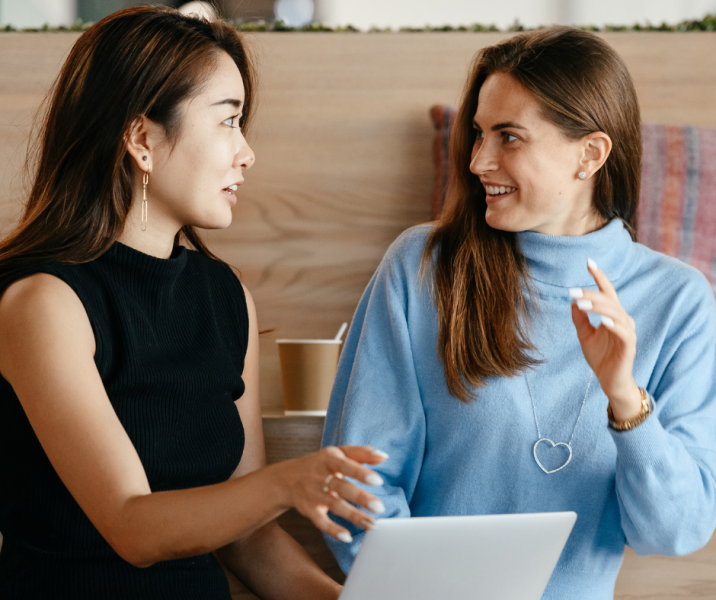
(505, 125)
(233, 101)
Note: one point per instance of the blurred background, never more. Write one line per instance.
(394, 14)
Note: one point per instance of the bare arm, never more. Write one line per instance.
(269, 561)
(47, 354)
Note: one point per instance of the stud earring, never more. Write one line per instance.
(145, 181)
(582, 175)
(144, 158)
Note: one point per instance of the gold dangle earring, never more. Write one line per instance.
(145, 181)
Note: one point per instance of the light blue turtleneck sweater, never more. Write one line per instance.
(653, 487)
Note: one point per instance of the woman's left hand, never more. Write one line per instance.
(610, 348)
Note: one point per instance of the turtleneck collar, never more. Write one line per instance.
(143, 265)
(562, 260)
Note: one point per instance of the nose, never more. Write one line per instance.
(483, 158)
(244, 157)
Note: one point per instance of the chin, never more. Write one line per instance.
(219, 219)
(503, 222)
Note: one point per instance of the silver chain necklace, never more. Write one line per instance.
(541, 439)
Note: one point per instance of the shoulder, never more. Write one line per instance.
(39, 307)
(400, 272)
(683, 290)
(250, 306)
(405, 254)
(219, 272)
(41, 290)
(410, 243)
(671, 275)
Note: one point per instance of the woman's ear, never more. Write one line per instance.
(596, 148)
(141, 140)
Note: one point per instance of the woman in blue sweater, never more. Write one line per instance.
(524, 353)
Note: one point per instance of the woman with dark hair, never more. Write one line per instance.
(131, 441)
(524, 353)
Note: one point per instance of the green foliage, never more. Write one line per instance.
(708, 23)
(516, 26)
(479, 28)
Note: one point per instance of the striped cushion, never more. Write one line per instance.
(677, 205)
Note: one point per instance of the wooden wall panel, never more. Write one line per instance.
(343, 144)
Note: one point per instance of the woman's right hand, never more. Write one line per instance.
(313, 492)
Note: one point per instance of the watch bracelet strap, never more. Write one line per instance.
(634, 421)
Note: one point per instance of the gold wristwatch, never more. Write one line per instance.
(634, 421)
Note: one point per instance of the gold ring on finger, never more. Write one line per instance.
(328, 480)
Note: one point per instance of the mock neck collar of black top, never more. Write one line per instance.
(561, 260)
(141, 265)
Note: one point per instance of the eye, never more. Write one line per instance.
(232, 122)
(509, 137)
(478, 133)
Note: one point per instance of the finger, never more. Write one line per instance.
(364, 454)
(350, 513)
(337, 462)
(606, 307)
(623, 333)
(358, 496)
(621, 329)
(321, 520)
(601, 279)
(581, 323)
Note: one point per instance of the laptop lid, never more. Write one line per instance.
(510, 557)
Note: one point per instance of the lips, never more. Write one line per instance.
(499, 190)
(229, 193)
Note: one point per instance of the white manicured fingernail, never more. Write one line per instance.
(576, 293)
(607, 322)
(592, 265)
(376, 506)
(380, 453)
(345, 537)
(374, 479)
(584, 304)
(368, 524)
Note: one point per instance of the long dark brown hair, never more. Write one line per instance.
(140, 61)
(481, 279)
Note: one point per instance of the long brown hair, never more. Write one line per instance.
(139, 61)
(481, 280)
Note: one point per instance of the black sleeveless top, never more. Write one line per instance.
(171, 337)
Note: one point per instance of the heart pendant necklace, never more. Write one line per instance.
(546, 440)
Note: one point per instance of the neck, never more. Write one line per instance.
(583, 224)
(156, 240)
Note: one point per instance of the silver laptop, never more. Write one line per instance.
(505, 557)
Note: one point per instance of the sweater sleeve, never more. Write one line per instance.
(376, 399)
(666, 467)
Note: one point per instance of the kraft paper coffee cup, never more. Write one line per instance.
(308, 368)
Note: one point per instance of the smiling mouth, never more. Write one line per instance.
(495, 191)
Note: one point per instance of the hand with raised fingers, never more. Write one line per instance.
(317, 485)
(610, 348)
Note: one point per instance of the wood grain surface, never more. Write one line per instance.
(343, 145)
